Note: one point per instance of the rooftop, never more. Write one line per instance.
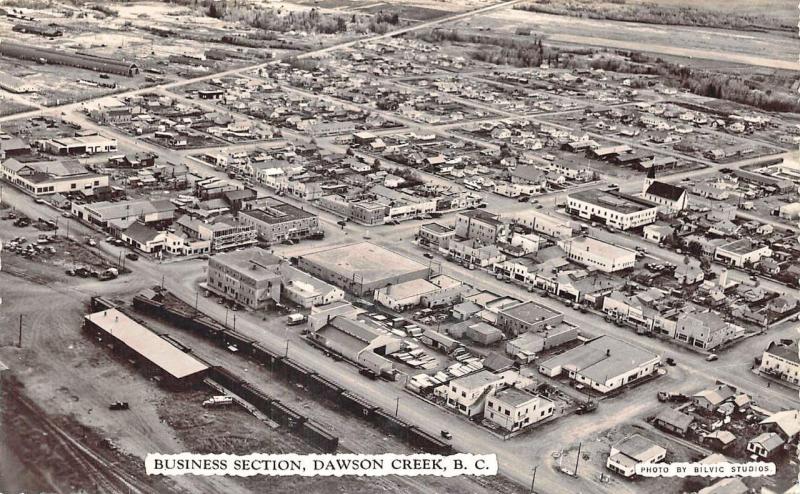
(531, 312)
(147, 343)
(603, 358)
(410, 288)
(639, 448)
(369, 261)
(437, 228)
(741, 246)
(595, 246)
(477, 380)
(515, 397)
(615, 201)
(257, 263)
(277, 213)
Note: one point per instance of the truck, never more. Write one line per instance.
(664, 396)
(295, 319)
(218, 401)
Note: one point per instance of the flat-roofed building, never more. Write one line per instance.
(597, 254)
(435, 236)
(480, 225)
(468, 394)
(123, 214)
(277, 221)
(361, 268)
(305, 290)
(526, 317)
(41, 178)
(604, 364)
(612, 208)
(543, 223)
(742, 252)
(224, 232)
(250, 277)
(513, 409)
(782, 359)
(161, 358)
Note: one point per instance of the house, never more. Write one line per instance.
(632, 450)
(604, 364)
(732, 485)
(689, 273)
(782, 305)
(474, 252)
(785, 423)
(598, 254)
(143, 238)
(468, 394)
(719, 440)
(674, 421)
(512, 409)
(782, 359)
(765, 445)
(711, 399)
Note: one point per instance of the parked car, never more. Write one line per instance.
(132, 256)
(712, 357)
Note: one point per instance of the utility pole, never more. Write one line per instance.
(162, 282)
(578, 459)
(234, 321)
(19, 341)
(286, 353)
(196, 299)
(397, 406)
(226, 317)
(533, 480)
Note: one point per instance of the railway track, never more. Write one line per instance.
(106, 476)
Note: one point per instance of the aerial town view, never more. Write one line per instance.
(560, 234)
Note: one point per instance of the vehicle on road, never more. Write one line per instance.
(295, 319)
(446, 435)
(712, 357)
(119, 405)
(368, 373)
(586, 407)
(132, 256)
(428, 255)
(670, 361)
(217, 401)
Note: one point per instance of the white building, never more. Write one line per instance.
(543, 223)
(598, 254)
(782, 359)
(40, 178)
(512, 409)
(632, 450)
(612, 208)
(742, 252)
(467, 394)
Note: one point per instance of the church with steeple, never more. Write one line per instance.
(670, 198)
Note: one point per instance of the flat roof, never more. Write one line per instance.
(621, 203)
(147, 343)
(477, 380)
(410, 288)
(531, 311)
(252, 262)
(741, 246)
(370, 261)
(576, 245)
(279, 212)
(437, 228)
(515, 397)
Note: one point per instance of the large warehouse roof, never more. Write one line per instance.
(146, 343)
(370, 261)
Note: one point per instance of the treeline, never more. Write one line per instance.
(759, 91)
(310, 21)
(618, 10)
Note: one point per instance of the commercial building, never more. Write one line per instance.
(527, 317)
(512, 409)
(781, 359)
(58, 57)
(120, 215)
(305, 290)
(526, 346)
(612, 208)
(435, 236)
(41, 178)
(83, 144)
(706, 330)
(361, 268)
(604, 364)
(277, 221)
(468, 394)
(597, 254)
(359, 342)
(480, 225)
(250, 277)
(632, 450)
(224, 232)
(543, 223)
(741, 253)
(475, 252)
(157, 356)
